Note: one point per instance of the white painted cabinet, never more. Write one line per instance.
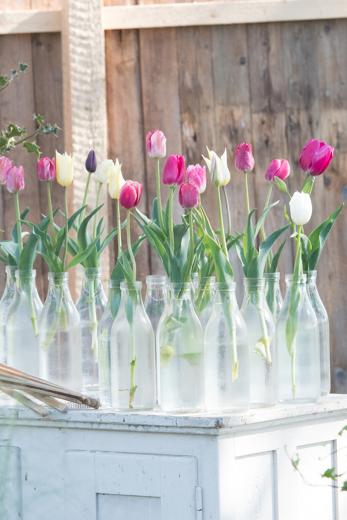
(100, 465)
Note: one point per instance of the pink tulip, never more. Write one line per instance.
(188, 195)
(174, 170)
(130, 194)
(244, 160)
(15, 179)
(5, 165)
(45, 169)
(277, 168)
(196, 175)
(316, 156)
(156, 144)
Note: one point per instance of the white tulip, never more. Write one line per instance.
(64, 169)
(101, 173)
(300, 206)
(218, 167)
(115, 179)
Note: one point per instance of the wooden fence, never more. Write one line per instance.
(205, 73)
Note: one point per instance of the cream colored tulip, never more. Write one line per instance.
(115, 180)
(64, 169)
(101, 173)
(218, 168)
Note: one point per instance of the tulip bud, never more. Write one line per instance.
(316, 156)
(218, 168)
(15, 179)
(188, 195)
(102, 171)
(130, 194)
(115, 179)
(277, 168)
(64, 169)
(300, 206)
(156, 144)
(174, 170)
(196, 175)
(5, 165)
(45, 169)
(244, 160)
(91, 162)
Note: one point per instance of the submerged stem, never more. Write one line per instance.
(247, 193)
(66, 228)
(158, 189)
(119, 228)
(221, 223)
(130, 249)
(18, 223)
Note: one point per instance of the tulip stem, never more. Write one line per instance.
(170, 223)
(221, 223)
(267, 203)
(97, 204)
(130, 249)
(158, 188)
(50, 205)
(66, 229)
(227, 208)
(18, 223)
(86, 190)
(247, 193)
(119, 234)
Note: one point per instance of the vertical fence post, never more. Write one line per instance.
(84, 92)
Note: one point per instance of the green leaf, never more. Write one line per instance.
(265, 247)
(276, 257)
(82, 236)
(32, 148)
(319, 236)
(28, 254)
(263, 216)
(82, 255)
(14, 229)
(308, 184)
(281, 185)
(11, 249)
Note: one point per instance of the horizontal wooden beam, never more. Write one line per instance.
(30, 21)
(153, 16)
(220, 13)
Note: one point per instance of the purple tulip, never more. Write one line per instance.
(188, 195)
(277, 168)
(15, 179)
(244, 160)
(316, 156)
(174, 170)
(91, 162)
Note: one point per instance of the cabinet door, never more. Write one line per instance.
(125, 486)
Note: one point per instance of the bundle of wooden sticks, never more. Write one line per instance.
(40, 395)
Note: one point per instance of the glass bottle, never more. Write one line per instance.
(323, 328)
(180, 341)
(104, 335)
(298, 360)
(156, 298)
(273, 293)
(22, 331)
(133, 377)
(260, 329)
(91, 305)
(5, 303)
(226, 347)
(60, 335)
(204, 299)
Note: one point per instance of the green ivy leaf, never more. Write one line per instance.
(32, 148)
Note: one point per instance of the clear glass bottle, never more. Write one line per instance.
(156, 298)
(298, 360)
(22, 331)
(60, 335)
(133, 375)
(226, 346)
(5, 303)
(323, 328)
(181, 352)
(91, 305)
(273, 293)
(104, 335)
(204, 299)
(260, 329)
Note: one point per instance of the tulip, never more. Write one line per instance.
(174, 170)
(64, 169)
(316, 156)
(102, 171)
(300, 206)
(277, 168)
(45, 169)
(115, 179)
(218, 168)
(5, 165)
(196, 175)
(130, 194)
(15, 179)
(244, 160)
(188, 195)
(91, 162)
(156, 144)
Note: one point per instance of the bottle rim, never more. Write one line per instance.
(156, 279)
(302, 278)
(225, 286)
(135, 286)
(23, 273)
(273, 276)
(58, 276)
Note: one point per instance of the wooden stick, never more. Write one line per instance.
(43, 411)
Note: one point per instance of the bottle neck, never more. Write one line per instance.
(225, 292)
(272, 279)
(311, 277)
(181, 292)
(10, 278)
(156, 288)
(254, 290)
(26, 280)
(58, 280)
(299, 285)
(91, 275)
(131, 293)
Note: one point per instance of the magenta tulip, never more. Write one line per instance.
(5, 165)
(15, 179)
(277, 168)
(174, 170)
(156, 144)
(130, 194)
(244, 160)
(316, 156)
(196, 175)
(45, 169)
(188, 195)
